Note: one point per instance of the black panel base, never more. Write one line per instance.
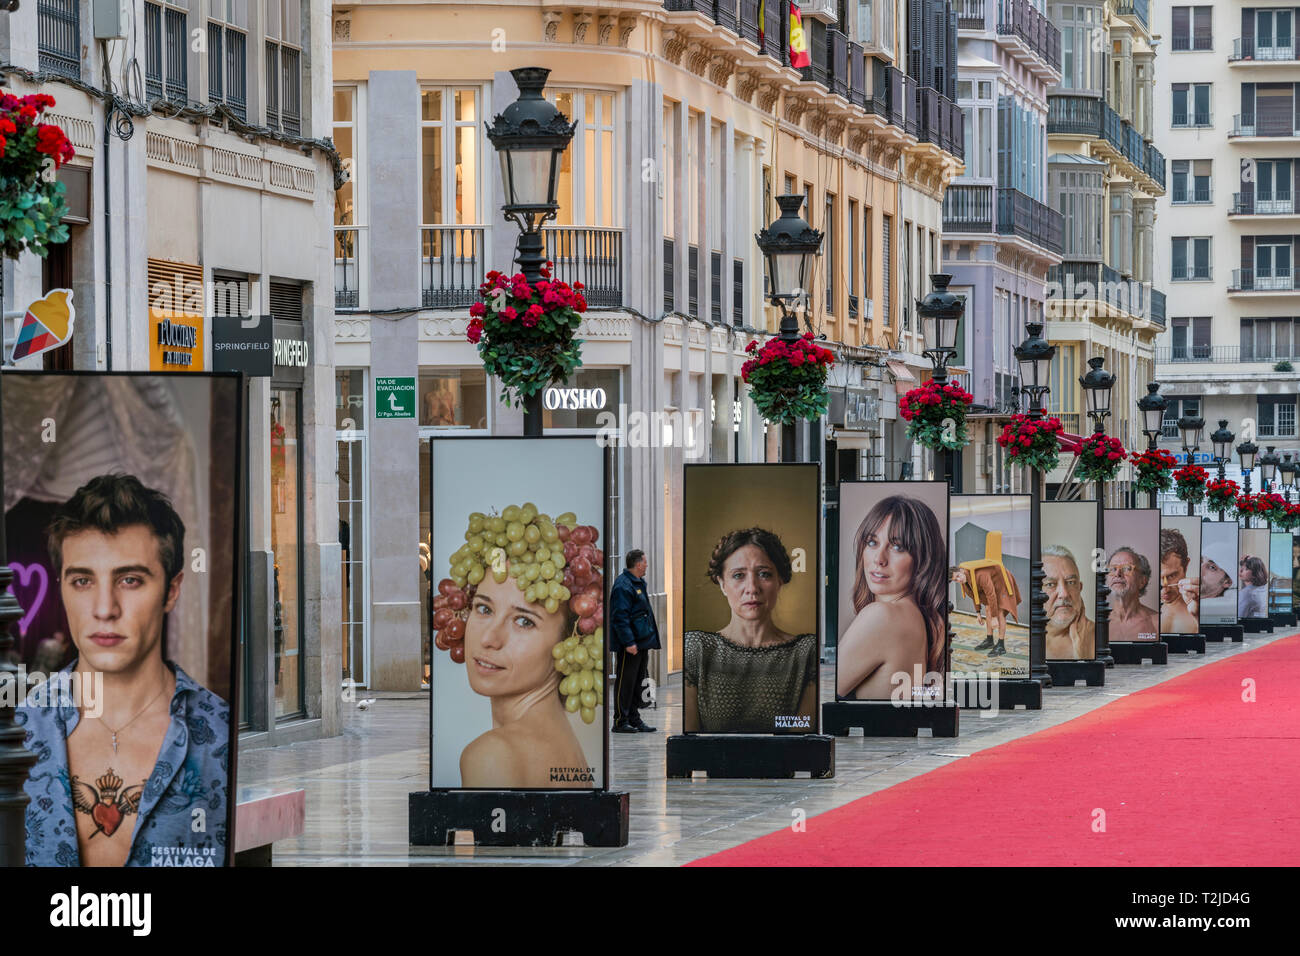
(1282, 618)
(1135, 652)
(518, 817)
(1255, 625)
(884, 718)
(1065, 673)
(1184, 643)
(1217, 633)
(737, 756)
(1002, 694)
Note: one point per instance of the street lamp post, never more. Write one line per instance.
(1247, 450)
(940, 313)
(1190, 427)
(530, 136)
(1097, 384)
(1288, 469)
(1034, 357)
(1152, 405)
(1222, 440)
(1268, 463)
(790, 247)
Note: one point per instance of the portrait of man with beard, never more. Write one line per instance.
(1128, 575)
(1070, 634)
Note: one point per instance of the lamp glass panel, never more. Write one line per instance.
(531, 183)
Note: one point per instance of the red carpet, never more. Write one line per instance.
(1188, 774)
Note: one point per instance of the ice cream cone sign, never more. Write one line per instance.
(47, 325)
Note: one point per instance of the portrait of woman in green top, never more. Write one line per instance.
(750, 676)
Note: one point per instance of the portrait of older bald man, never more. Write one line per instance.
(1071, 635)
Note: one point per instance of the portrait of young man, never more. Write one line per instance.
(132, 754)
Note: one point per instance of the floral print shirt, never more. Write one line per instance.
(192, 773)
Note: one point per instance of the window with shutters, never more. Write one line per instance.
(166, 52)
(58, 32)
(1268, 340)
(283, 81)
(228, 55)
(851, 261)
(887, 266)
(1191, 258)
(828, 249)
(231, 293)
(1192, 28)
(286, 300)
(1190, 181)
(905, 270)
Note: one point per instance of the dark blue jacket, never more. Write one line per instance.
(632, 621)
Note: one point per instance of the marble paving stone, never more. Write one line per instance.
(357, 783)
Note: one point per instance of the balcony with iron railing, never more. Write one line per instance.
(1082, 281)
(592, 256)
(970, 14)
(984, 208)
(1192, 272)
(1138, 10)
(452, 265)
(1245, 125)
(1216, 355)
(1191, 119)
(1277, 279)
(1019, 18)
(1250, 50)
(1072, 115)
(1247, 203)
(347, 272)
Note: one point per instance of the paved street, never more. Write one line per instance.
(357, 784)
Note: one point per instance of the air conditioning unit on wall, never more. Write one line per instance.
(824, 10)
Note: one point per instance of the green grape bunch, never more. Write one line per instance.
(555, 563)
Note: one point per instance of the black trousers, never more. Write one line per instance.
(627, 686)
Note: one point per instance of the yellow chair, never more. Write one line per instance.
(992, 559)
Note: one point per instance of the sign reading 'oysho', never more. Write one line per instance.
(394, 397)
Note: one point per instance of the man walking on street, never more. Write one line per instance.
(634, 635)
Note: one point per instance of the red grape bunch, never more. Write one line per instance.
(554, 563)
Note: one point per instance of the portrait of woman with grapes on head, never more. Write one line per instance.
(522, 608)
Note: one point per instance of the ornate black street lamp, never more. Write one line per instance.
(1034, 356)
(1268, 463)
(1152, 405)
(790, 247)
(530, 137)
(940, 313)
(1190, 428)
(1247, 450)
(1288, 469)
(1222, 440)
(1097, 383)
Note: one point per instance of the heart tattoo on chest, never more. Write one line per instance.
(105, 801)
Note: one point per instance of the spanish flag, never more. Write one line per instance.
(799, 57)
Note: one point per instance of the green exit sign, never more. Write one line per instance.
(394, 398)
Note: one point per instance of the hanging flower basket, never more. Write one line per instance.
(1032, 443)
(1189, 483)
(1221, 494)
(525, 334)
(787, 380)
(936, 415)
(1271, 507)
(1100, 458)
(31, 198)
(1290, 518)
(1154, 470)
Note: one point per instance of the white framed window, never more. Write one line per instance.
(349, 200)
(975, 98)
(590, 179)
(451, 155)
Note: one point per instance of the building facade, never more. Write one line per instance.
(198, 191)
(1227, 105)
(1105, 176)
(1001, 236)
(690, 123)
